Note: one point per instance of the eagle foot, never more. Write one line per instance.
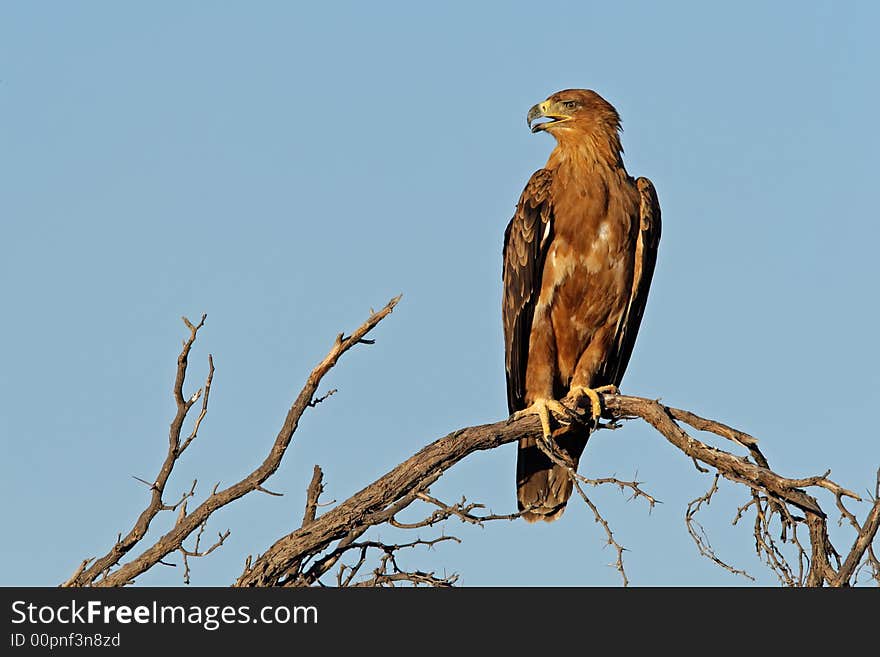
(542, 408)
(596, 409)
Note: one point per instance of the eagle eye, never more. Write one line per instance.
(569, 104)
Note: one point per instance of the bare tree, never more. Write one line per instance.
(789, 526)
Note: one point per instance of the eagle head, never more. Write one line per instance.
(574, 111)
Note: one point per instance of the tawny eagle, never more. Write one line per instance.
(579, 254)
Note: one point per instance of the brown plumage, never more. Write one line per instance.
(579, 254)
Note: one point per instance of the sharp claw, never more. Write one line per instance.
(543, 408)
(564, 412)
(593, 395)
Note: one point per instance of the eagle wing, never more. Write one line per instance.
(645, 259)
(526, 242)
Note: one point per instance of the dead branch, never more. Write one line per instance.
(461, 510)
(102, 565)
(698, 534)
(322, 542)
(316, 487)
(609, 535)
(381, 575)
(863, 541)
(187, 524)
(369, 507)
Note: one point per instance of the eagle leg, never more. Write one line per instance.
(593, 395)
(542, 408)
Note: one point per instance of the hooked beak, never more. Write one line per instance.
(543, 111)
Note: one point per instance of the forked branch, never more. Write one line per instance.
(99, 573)
(323, 541)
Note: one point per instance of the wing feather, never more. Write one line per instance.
(526, 242)
(645, 259)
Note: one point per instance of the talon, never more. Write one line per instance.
(542, 408)
(593, 395)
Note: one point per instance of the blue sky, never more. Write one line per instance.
(285, 167)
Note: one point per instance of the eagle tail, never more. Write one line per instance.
(542, 487)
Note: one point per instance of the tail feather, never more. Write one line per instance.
(542, 487)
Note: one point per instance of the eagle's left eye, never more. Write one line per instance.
(569, 104)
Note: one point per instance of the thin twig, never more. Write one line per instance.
(698, 533)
